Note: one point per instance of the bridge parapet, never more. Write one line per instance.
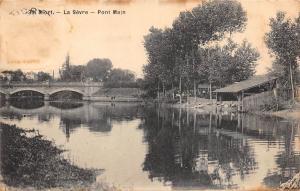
(47, 84)
(86, 89)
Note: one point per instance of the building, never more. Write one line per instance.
(249, 94)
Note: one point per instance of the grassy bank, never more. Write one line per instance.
(30, 162)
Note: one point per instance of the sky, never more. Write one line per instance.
(41, 42)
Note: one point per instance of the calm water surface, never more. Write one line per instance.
(163, 148)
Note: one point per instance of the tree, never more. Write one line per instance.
(244, 62)
(283, 40)
(228, 64)
(119, 75)
(159, 47)
(77, 73)
(172, 52)
(205, 23)
(98, 69)
(43, 76)
(16, 75)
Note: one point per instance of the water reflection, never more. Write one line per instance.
(178, 148)
(216, 151)
(72, 115)
(27, 102)
(66, 105)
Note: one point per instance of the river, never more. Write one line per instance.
(161, 148)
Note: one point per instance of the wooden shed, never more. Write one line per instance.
(263, 85)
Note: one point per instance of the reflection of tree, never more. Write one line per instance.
(227, 150)
(68, 125)
(288, 160)
(98, 122)
(120, 112)
(100, 125)
(45, 117)
(273, 130)
(182, 146)
(173, 149)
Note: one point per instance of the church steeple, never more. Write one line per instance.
(67, 62)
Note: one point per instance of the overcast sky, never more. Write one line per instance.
(35, 43)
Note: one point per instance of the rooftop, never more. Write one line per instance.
(246, 84)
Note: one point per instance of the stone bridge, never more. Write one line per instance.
(86, 89)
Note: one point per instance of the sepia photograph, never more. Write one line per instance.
(149, 95)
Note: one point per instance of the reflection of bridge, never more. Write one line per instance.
(50, 88)
(87, 112)
(95, 116)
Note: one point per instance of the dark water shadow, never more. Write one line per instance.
(26, 103)
(66, 105)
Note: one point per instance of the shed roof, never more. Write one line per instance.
(246, 84)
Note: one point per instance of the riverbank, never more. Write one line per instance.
(117, 95)
(31, 162)
(205, 105)
(292, 114)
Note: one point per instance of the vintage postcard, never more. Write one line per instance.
(149, 95)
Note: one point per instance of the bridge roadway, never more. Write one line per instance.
(86, 89)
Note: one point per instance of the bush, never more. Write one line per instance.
(273, 105)
(30, 160)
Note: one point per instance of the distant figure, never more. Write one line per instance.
(203, 164)
(215, 176)
(113, 98)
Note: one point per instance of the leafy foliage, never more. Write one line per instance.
(98, 69)
(43, 76)
(183, 53)
(283, 41)
(17, 75)
(228, 64)
(119, 75)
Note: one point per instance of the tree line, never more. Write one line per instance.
(191, 52)
(198, 49)
(20, 76)
(97, 70)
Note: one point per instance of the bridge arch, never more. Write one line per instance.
(26, 89)
(66, 90)
(66, 94)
